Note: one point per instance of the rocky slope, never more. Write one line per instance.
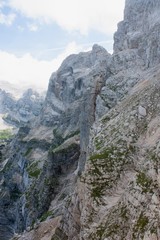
(88, 166)
(121, 179)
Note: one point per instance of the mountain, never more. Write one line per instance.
(18, 112)
(15, 90)
(87, 167)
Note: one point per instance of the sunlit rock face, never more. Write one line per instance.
(140, 30)
(67, 87)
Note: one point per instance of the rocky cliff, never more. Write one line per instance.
(39, 164)
(88, 166)
(120, 184)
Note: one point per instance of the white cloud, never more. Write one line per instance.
(7, 19)
(74, 15)
(33, 27)
(28, 71)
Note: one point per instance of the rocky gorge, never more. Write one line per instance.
(87, 167)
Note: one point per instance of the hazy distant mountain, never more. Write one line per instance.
(18, 111)
(17, 90)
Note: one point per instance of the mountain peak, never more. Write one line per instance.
(98, 48)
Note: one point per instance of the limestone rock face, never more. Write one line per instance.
(38, 169)
(120, 198)
(121, 177)
(140, 30)
(67, 87)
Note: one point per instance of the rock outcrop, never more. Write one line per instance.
(140, 30)
(88, 167)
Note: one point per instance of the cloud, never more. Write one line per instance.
(7, 19)
(73, 15)
(32, 27)
(28, 71)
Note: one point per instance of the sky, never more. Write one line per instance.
(37, 35)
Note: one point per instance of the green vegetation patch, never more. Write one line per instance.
(6, 134)
(46, 215)
(111, 152)
(98, 143)
(76, 133)
(65, 148)
(141, 225)
(105, 119)
(100, 231)
(33, 170)
(116, 223)
(144, 182)
(153, 230)
(28, 151)
(35, 173)
(113, 230)
(59, 139)
(106, 168)
(124, 213)
(97, 191)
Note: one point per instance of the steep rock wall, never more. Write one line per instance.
(140, 30)
(38, 168)
(119, 189)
